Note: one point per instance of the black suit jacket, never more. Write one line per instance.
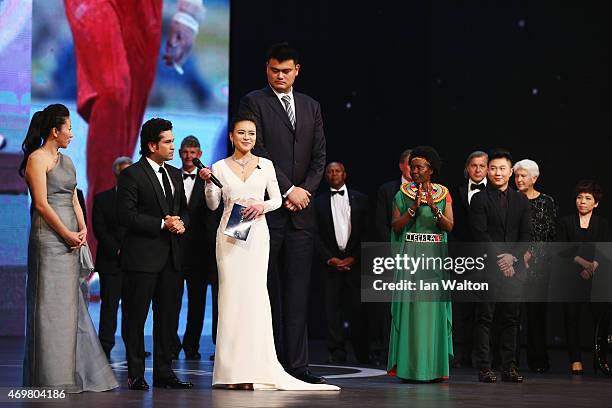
(298, 155)
(462, 230)
(488, 227)
(568, 230)
(384, 209)
(199, 237)
(141, 207)
(107, 230)
(326, 244)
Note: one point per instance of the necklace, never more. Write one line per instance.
(242, 163)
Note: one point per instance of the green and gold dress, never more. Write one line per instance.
(420, 343)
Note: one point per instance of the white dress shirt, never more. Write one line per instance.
(189, 183)
(341, 215)
(472, 192)
(292, 102)
(155, 168)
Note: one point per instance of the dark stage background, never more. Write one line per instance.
(531, 76)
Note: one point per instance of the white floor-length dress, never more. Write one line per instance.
(245, 351)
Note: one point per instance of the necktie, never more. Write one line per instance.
(333, 192)
(289, 109)
(186, 176)
(480, 186)
(167, 188)
(503, 204)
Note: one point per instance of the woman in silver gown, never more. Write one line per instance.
(62, 349)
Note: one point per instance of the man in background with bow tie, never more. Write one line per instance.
(198, 261)
(463, 312)
(342, 221)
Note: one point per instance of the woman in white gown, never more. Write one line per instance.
(245, 356)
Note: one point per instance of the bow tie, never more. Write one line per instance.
(186, 176)
(480, 186)
(341, 192)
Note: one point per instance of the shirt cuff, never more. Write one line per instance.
(162, 224)
(288, 191)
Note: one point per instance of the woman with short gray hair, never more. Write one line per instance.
(543, 221)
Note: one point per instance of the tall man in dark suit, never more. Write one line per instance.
(151, 205)
(341, 225)
(463, 312)
(290, 134)
(380, 313)
(197, 251)
(501, 218)
(109, 235)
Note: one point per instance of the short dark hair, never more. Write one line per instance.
(282, 52)
(499, 153)
(190, 141)
(241, 117)
(150, 133)
(405, 155)
(590, 187)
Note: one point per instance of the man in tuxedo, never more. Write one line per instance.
(501, 218)
(341, 225)
(463, 312)
(109, 234)
(199, 264)
(381, 312)
(290, 134)
(152, 207)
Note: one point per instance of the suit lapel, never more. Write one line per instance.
(161, 199)
(330, 218)
(178, 189)
(277, 106)
(463, 196)
(352, 203)
(299, 111)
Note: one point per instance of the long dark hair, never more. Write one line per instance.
(53, 116)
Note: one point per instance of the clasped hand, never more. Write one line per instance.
(297, 199)
(505, 262)
(342, 264)
(76, 239)
(174, 224)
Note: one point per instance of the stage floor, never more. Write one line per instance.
(361, 386)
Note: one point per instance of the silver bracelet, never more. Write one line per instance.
(411, 212)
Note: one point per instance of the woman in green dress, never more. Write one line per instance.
(421, 342)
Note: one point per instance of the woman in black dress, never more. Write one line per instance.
(543, 224)
(585, 227)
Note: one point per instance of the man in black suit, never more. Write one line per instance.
(342, 221)
(501, 218)
(290, 134)
(380, 313)
(199, 264)
(109, 234)
(151, 205)
(463, 312)
(386, 196)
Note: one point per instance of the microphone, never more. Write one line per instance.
(196, 162)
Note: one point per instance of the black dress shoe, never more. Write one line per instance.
(487, 375)
(512, 375)
(138, 384)
(192, 356)
(309, 377)
(147, 354)
(172, 383)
